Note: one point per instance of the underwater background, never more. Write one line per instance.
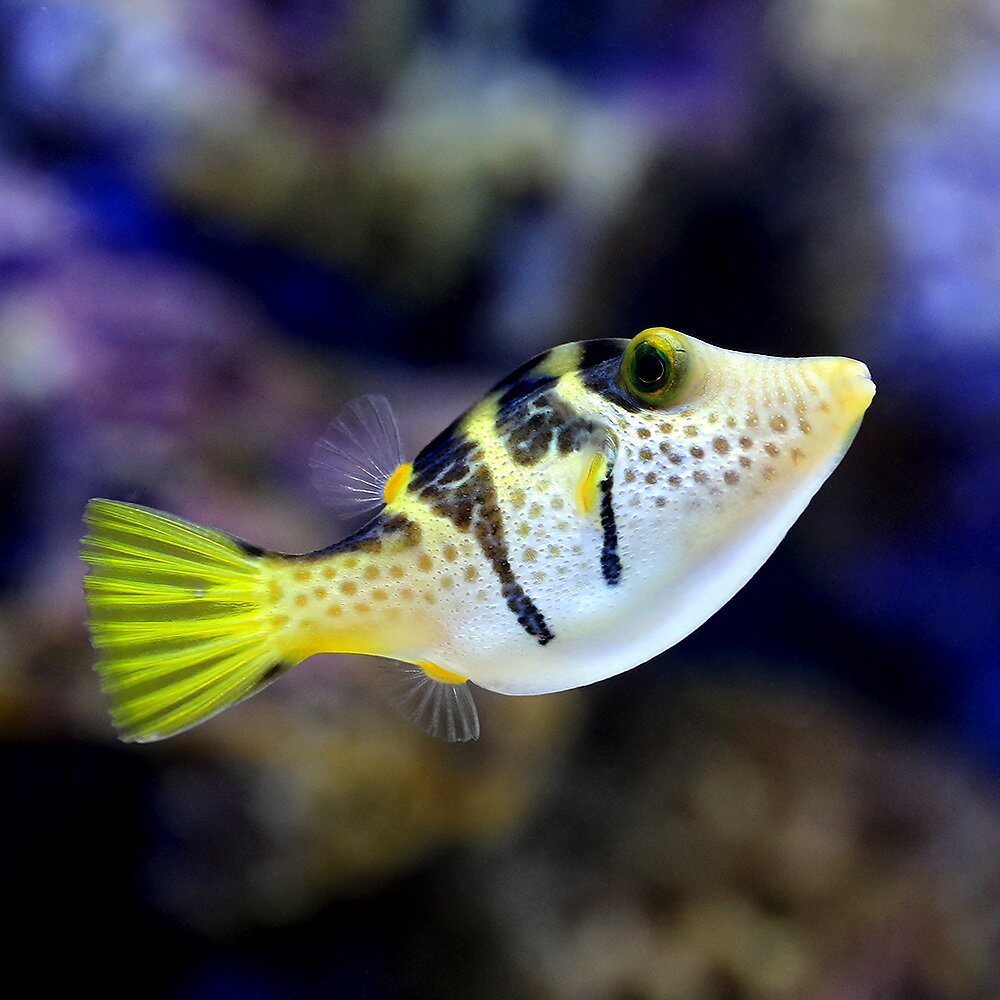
(221, 221)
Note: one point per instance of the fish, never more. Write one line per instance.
(590, 511)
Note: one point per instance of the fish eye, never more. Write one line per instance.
(650, 368)
(653, 367)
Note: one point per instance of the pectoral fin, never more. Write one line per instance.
(592, 466)
(592, 471)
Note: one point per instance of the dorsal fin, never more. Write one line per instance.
(445, 709)
(353, 460)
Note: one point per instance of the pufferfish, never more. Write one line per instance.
(593, 509)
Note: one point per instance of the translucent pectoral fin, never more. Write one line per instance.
(427, 696)
(590, 476)
(354, 462)
(593, 466)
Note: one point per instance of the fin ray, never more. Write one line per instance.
(355, 458)
(121, 519)
(445, 710)
(177, 615)
(160, 721)
(182, 685)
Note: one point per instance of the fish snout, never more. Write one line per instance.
(849, 382)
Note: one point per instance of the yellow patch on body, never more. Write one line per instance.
(397, 481)
(439, 674)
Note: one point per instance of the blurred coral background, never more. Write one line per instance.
(220, 221)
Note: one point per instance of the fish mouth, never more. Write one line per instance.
(861, 389)
(852, 385)
(854, 390)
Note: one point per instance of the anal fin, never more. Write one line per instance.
(438, 701)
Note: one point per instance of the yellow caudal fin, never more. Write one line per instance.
(177, 614)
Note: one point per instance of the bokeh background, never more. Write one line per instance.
(220, 221)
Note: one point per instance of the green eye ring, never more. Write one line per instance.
(654, 366)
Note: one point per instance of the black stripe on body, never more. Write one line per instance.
(450, 475)
(597, 352)
(447, 451)
(396, 531)
(390, 532)
(453, 479)
(489, 532)
(601, 375)
(531, 378)
(603, 381)
(522, 383)
(518, 374)
(611, 564)
(518, 392)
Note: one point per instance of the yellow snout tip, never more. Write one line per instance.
(857, 388)
(848, 382)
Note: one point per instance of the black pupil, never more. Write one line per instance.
(650, 367)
